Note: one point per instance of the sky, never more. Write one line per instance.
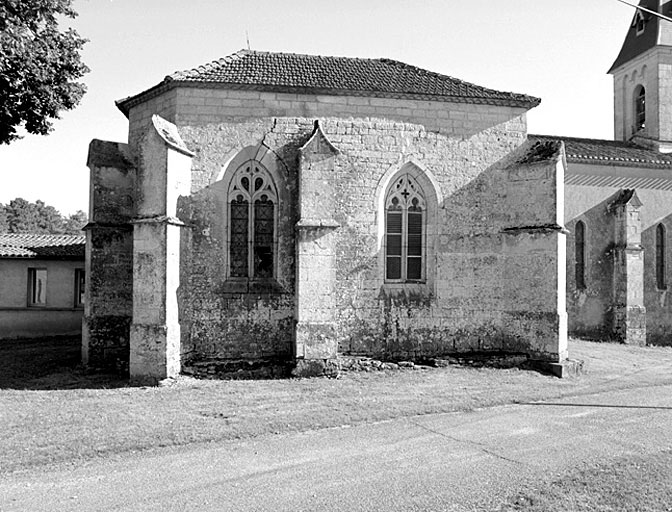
(558, 51)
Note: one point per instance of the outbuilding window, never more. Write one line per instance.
(405, 236)
(252, 217)
(80, 287)
(37, 287)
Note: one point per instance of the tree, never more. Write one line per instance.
(39, 65)
(4, 224)
(22, 216)
(75, 222)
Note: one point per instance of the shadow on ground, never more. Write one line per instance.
(50, 363)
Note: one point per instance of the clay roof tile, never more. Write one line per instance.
(290, 72)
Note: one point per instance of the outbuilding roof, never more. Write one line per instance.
(28, 245)
(315, 74)
(609, 152)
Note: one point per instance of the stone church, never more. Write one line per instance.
(618, 197)
(280, 208)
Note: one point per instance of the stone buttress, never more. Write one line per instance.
(535, 245)
(628, 311)
(109, 257)
(164, 175)
(316, 346)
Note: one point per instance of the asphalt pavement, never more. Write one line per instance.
(443, 462)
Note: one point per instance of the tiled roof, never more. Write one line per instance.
(26, 245)
(609, 152)
(313, 74)
(8, 251)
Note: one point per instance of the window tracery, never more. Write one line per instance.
(405, 218)
(253, 203)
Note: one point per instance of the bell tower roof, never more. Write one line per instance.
(646, 31)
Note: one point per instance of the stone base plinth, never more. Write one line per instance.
(563, 369)
(305, 368)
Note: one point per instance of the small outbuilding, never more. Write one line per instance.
(42, 283)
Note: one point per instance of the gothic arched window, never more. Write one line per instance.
(640, 108)
(661, 262)
(253, 203)
(580, 255)
(405, 217)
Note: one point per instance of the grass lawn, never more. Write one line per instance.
(632, 484)
(51, 412)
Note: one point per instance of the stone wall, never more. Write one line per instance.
(140, 117)
(233, 318)
(590, 310)
(657, 300)
(485, 251)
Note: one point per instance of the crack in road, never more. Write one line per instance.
(481, 446)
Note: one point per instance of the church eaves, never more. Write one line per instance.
(313, 74)
(609, 152)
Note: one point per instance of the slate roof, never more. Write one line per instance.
(609, 152)
(27, 245)
(314, 74)
(656, 32)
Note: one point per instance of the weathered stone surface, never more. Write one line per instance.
(564, 369)
(493, 246)
(305, 368)
(619, 284)
(109, 258)
(238, 369)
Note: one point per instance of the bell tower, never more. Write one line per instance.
(643, 79)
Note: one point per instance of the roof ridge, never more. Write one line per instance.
(246, 52)
(450, 77)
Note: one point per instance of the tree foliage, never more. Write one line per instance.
(21, 216)
(39, 65)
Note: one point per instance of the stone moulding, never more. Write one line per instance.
(125, 105)
(317, 224)
(107, 225)
(318, 135)
(161, 219)
(168, 132)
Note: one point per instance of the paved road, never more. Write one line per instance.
(447, 462)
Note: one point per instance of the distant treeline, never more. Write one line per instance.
(21, 216)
